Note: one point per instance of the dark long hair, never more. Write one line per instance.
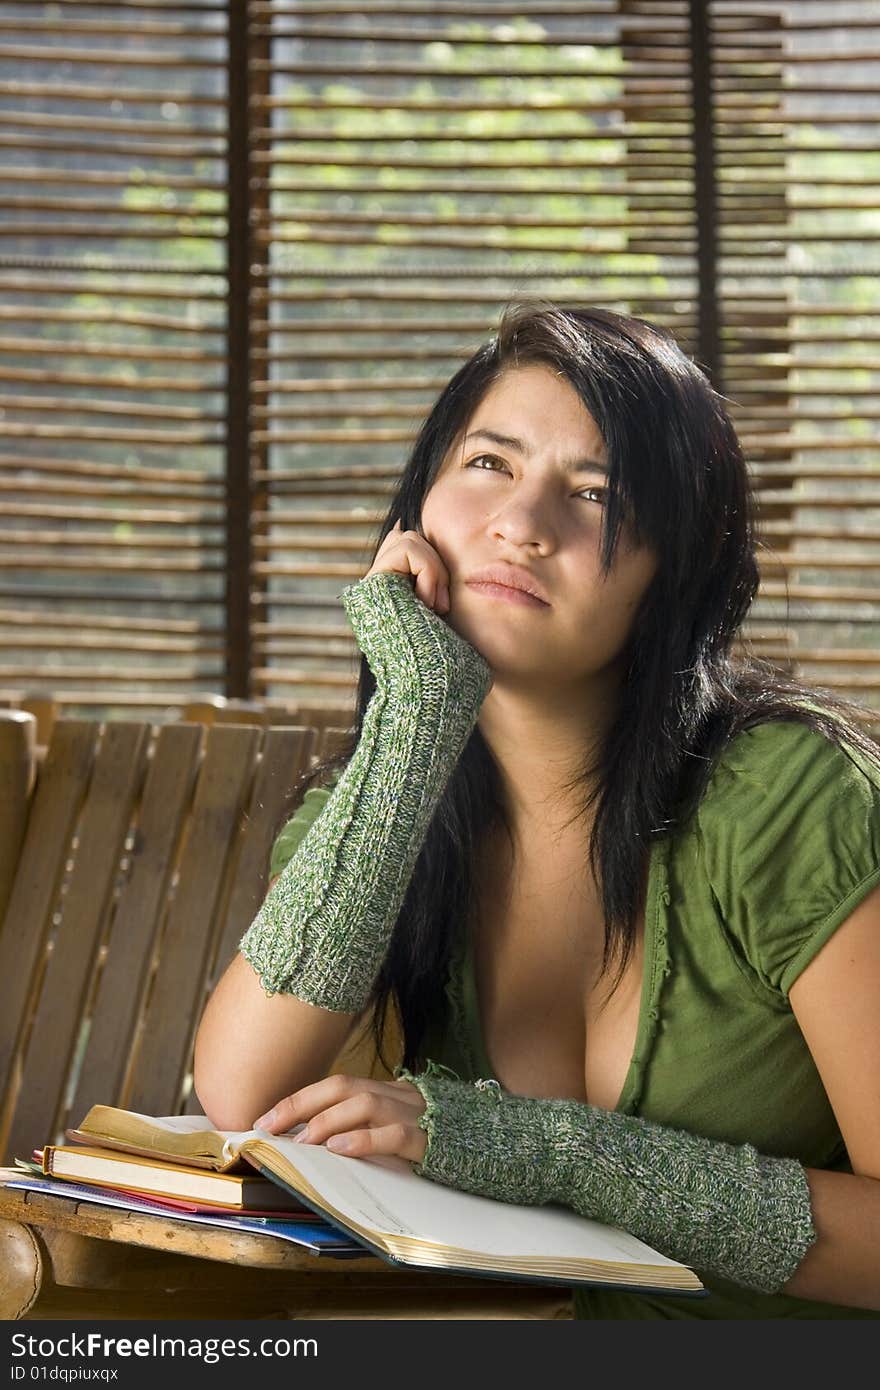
(677, 472)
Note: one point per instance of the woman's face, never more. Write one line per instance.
(516, 498)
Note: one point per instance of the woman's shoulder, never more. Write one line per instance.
(789, 834)
(763, 764)
(295, 829)
(316, 796)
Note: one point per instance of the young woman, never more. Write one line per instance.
(591, 856)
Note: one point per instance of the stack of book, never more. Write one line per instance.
(177, 1167)
(340, 1205)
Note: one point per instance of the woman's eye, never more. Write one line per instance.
(480, 459)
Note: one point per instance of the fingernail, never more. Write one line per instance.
(265, 1121)
(302, 1137)
(339, 1143)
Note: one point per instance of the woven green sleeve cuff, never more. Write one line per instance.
(323, 929)
(716, 1207)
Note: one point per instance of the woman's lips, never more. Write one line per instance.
(503, 592)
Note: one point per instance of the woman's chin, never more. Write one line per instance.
(507, 655)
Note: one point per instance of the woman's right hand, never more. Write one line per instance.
(393, 633)
(407, 552)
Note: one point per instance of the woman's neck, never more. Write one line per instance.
(540, 749)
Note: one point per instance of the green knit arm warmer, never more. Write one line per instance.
(323, 929)
(719, 1208)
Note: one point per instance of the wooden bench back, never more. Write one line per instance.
(145, 858)
(216, 709)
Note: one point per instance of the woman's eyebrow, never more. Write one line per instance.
(511, 442)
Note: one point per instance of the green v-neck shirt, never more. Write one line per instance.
(782, 848)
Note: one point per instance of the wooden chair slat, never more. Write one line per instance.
(45, 710)
(18, 769)
(285, 756)
(202, 711)
(52, 1046)
(332, 740)
(122, 988)
(318, 716)
(55, 805)
(187, 944)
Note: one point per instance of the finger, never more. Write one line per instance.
(423, 565)
(431, 576)
(426, 580)
(401, 1140)
(364, 1111)
(301, 1105)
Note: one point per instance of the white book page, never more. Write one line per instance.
(384, 1194)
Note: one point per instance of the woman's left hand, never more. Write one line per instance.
(354, 1115)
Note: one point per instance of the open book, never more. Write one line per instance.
(403, 1218)
(191, 1139)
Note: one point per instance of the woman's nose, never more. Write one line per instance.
(525, 521)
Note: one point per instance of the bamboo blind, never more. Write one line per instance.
(247, 244)
(113, 146)
(798, 173)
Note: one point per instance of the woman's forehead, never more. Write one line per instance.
(529, 408)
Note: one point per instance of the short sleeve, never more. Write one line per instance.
(294, 831)
(790, 834)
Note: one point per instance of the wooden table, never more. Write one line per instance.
(64, 1258)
